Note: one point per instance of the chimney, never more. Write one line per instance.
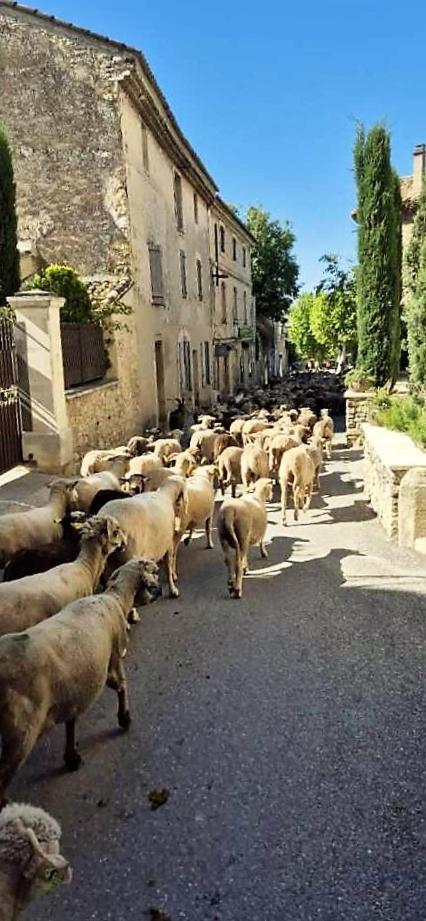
(419, 161)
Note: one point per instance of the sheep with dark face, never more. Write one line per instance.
(53, 672)
(30, 861)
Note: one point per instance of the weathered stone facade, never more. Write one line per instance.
(357, 412)
(387, 458)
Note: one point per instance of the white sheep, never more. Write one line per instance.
(87, 487)
(241, 523)
(254, 464)
(229, 467)
(98, 460)
(149, 522)
(199, 506)
(24, 602)
(296, 468)
(38, 527)
(204, 442)
(30, 860)
(55, 671)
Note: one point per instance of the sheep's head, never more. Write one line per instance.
(65, 487)
(263, 488)
(142, 575)
(137, 445)
(30, 855)
(106, 531)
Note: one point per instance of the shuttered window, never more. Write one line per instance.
(177, 185)
(195, 207)
(207, 363)
(187, 364)
(222, 239)
(182, 260)
(235, 305)
(234, 249)
(245, 308)
(199, 280)
(156, 270)
(223, 300)
(244, 256)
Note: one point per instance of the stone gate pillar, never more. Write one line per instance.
(46, 436)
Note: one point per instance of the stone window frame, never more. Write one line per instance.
(234, 249)
(183, 274)
(235, 304)
(222, 239)
(156, 274)
(224, 309)
(196, 208)
(199, 272)
(178, 200)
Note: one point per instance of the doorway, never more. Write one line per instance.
(159, 379)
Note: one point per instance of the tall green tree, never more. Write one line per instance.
(379, 256)
(416, 323)
(274, 266)
(418, 235)
(9, 257)
(300, 327)
(333, 313)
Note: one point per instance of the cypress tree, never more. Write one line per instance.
(9, 256)
(416, 322)
(379, 257)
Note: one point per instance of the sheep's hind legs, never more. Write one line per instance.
(71, 757)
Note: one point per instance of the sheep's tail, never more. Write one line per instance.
(229, 529)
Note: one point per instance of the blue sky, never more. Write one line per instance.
(269, 95)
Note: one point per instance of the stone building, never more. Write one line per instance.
(233, 304)
(411, 187)
(107, 182)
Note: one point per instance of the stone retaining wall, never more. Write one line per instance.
(387, 458)
(357, 412)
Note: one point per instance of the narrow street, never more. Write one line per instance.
(287, 728)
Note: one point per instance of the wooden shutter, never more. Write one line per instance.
(184, 286)
(199, 280)
(156, 270)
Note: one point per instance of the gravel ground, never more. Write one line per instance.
(287, 729)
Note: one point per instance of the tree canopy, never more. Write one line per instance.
(9, 256)
(274, 267)
(322, 323)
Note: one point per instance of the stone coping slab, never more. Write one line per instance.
(396, 450)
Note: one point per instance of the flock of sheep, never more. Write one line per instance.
(77, 569)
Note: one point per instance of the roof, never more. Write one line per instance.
(120, 46)
(233, 218)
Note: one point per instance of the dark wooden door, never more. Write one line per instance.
(10, 415)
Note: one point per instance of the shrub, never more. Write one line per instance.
(359, 380)
(66, 282)
(401, 414)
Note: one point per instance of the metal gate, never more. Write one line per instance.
(10, 415)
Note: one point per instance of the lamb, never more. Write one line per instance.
(277, 447)
(254, 464)
(199, 506)
(229, 466)
(224, 440)
(30, 860)
(87, 487)
(241, 523)
(314, 449)
(297, 467)
(307, 417)
(324, 429)
(97, 461)
(28, 562)
(30, 600)
(39, 527)
(56, 670)
(204, 442)
(149, 522)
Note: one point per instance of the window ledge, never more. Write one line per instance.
(90, 388)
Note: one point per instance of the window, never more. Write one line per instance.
(156, 270)
(145, 153)
(223, 302)
(187, 365)
(207, 374)
(235, 306)
(199, 280)
(222, 238)
(195, 207)
(182, 260)
(244, 256)
(234, 249)
(245, 308)
(177, 185)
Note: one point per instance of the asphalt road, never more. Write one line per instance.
(287, 728)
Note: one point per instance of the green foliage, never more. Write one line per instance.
(66, 282)
(300, 328)
(9, 256)
(415, 283)
(379, 256)
(274, 267)
(401, 414)
(333, 314)
(81, 305)
(359, 380)
(416, 325)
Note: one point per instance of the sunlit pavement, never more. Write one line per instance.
(287, 728)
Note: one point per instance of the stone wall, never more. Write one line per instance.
(387, 458)
(357, 412)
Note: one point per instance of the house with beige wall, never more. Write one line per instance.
(234, 320)
(107, 182)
